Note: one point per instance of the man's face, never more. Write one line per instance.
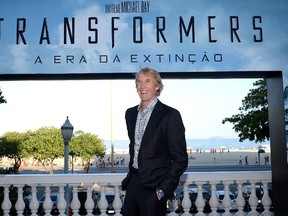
(146, 88)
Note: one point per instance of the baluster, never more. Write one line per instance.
(240, 201)
(200, 202)
(89, 204)
(253, 200)
(34, 204)
(63, 205)
(47, 204)
(213, 202)
(172, 204)
(117, 203)
(6, 204)
(20, 204)
(75, 203)
(227, 203)
(102, 204)
(266, 201)
(186, 202)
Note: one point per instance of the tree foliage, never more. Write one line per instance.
(2, 99)
(11, 146)
(252, 121)
(46, 144)
(86, 146)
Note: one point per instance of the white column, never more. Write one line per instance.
(34, 204)
(6, 204)
(117, 203)
(47, 204)
(186, 202)
(172, 205)
(266, 201)
(20, 204)
(62, 204)
(240, 201)
(102, 203)
(200, 202)
(213, 202)
(253, 201)
(89, 204)
(226, 200)
(75, 203)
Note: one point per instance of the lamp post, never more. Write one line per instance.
(112, 127)
(67, 132)
(72, 154)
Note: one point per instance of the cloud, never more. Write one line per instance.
(20, 56)
(236, 56)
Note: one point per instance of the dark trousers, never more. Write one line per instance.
(142, 202)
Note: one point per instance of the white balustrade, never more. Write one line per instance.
(186, 202)
(240, 201)
(6, 204)
(34, 204)
(200, 202)
(95, 187)
(172, 205)
(103, 203)
(253, 201)
(47, 204)
(227, 202)
(20, 204)
(62, 204)
(75, 203)
(266, 201)
(117, 203)
(213, 202)
(89, 204)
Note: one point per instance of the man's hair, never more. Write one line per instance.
(156, 76)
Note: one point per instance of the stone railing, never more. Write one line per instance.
(96, 187)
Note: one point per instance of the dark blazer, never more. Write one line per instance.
(162, 156)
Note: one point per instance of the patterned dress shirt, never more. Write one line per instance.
(141, 123)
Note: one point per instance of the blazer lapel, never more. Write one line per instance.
(134, 119)
(133, 125)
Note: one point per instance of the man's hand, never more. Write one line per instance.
(160, 194)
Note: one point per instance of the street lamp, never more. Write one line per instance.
(67, 132)
(72, 154)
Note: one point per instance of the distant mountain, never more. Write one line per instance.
(216, 137)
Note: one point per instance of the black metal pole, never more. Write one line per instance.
(278, 144)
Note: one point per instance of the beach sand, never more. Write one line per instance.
(225, 157)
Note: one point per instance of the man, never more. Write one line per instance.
(158, 155)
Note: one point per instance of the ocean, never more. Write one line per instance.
(201, 144)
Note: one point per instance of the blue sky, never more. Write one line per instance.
(203, 105)
(270, 54)
(35, 104)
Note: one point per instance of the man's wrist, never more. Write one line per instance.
(160, 194)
